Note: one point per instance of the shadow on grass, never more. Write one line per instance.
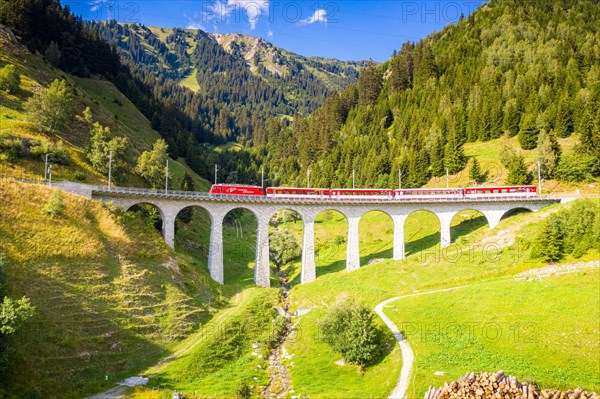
(77, 338)
(422, 244)
(467, 226)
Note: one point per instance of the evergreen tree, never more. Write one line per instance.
(56, 204)
(52, 54)
(454, 156)
(528, 133)
(548, 153)
(418, 169)
(475, 172)
(87, 116)
(512, 117)
(588, 147)
(517, 172)
(549, 242)
(370, 84)
(425, 65)
(563, 123)
(402, 68)
(187, 184)
(507, 151)
(437, 158)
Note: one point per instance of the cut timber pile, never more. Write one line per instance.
(499, 386)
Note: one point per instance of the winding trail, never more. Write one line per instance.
(408, 356)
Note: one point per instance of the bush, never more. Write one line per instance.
(284, 247)
(56, 204)
(79, 176)
(243, 391)
(574, 167)
(339, 240)
(56, 151)
(572, 231)
(349, 328)
(9, 78)
(10, 149)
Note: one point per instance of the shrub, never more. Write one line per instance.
(56, 151)
(349, 328)
(574, 167)
(79, 176)
(56, 204)
(11, 149)
(243, 391)
(9, 78)
(572, 231)
(339, 240)
(284, 247)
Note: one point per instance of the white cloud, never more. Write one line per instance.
(251, 10)
(95, 4)
(219, 9)
(193, 21)
(270, 33)
(195, 25)
(222, 10)
(320, 15)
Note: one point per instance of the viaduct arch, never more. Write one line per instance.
(169, 205)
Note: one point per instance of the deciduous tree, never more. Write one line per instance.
(151, 165)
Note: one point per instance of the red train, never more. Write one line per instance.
(237, 189)
(380, 194)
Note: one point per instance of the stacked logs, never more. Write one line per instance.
(500, 386)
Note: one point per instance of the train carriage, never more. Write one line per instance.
(237, 189)
(296, 192)
(424, 193)
(500, 192)
(361, 194)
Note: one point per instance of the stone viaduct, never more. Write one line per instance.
(171, 203)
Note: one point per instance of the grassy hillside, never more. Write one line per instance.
(526, 328)
(228, 353)
(488, 155)
(491, 291)
(111, 297)
(109, 106)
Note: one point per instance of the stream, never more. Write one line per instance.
(279, 382)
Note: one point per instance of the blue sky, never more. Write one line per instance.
(347, 30)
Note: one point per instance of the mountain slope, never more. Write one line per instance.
(108, 105)
(510, 67)
(236, 81)
(111, 298)
(276, 64)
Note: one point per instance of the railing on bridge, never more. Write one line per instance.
(177, 194)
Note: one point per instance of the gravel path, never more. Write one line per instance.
(408, 356)
(113, 393)
(557, 270)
